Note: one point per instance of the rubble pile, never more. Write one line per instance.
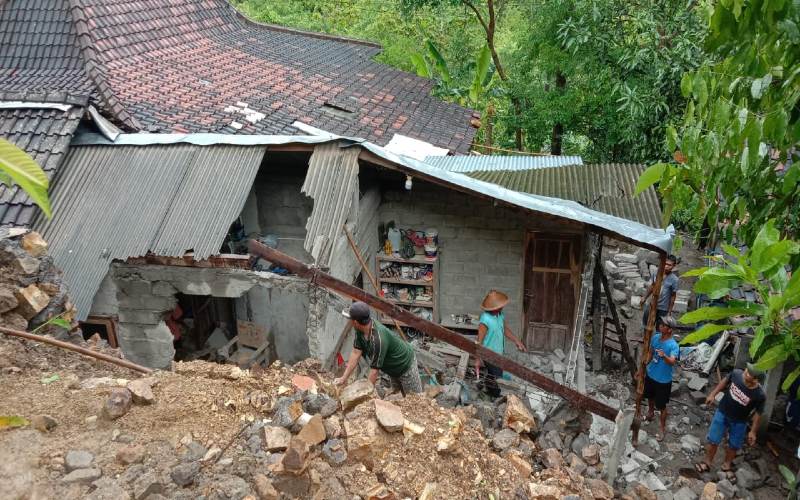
(219, 432)
(32, 289)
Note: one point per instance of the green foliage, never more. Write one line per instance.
(17, 167)
(431, 64)
(740, 130)
(762, 267)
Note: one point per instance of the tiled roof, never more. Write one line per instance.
(183, 65)
(605, 187)
(45, 134)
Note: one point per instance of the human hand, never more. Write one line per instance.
(339, 381)
(521, 347)
(710, 400)
(751, 438)
(660, 352)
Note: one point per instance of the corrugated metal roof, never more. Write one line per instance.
(465, 164)
(332, 182)
(119, 202)
(605, 187)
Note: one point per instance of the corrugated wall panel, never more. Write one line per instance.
(118, 202)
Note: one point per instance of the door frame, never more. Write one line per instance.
(576, 266)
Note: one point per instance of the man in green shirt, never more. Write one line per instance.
(384, 351)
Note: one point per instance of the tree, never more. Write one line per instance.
(736, 146)
(17, 167)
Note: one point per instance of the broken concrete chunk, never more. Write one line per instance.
(276, 438)
(147, 484)
(518, 417)
(31, 301)
(552, 459)
(690, 444)
(78, 459)
(303, 383)
(82, 476)
(600, 489)
(389, 416)
(618, 296)
(359, 391)
(141, 392)
(697, 383)
(698, 397)
(313, 432)
(295, 459)
(504, 439)
(117, 404)
(34, 244)
(521, 464)
(591, 454)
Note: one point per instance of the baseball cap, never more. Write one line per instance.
(669, 321)
(756, 372)
(358, 311)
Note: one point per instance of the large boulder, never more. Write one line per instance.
(517, 416)
(366, 440)
(313, 432)
(31, 300)
(389, 416)
(359, 391)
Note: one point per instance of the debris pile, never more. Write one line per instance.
(32, 290)
(284, 432)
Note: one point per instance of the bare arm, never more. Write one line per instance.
(355, 355)
(510, 336)
(752, 436)
(671, 302)
(717, 389)
(482, 330)
(373, 376)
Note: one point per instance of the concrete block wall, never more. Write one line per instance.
(105, 301)
(481, 245)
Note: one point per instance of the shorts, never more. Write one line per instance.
(736, 431)
(409, 382)
(658, 392)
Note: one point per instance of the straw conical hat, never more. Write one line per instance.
(494, 300)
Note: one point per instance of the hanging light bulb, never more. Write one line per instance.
(409, 183)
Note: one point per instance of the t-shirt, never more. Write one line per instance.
(385, 351)
(669, 286)
(739, 400)
(658, 369)
(495, 331)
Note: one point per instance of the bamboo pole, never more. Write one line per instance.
(71, 347)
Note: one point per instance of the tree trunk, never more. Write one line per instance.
(488, 126)
(558, 128)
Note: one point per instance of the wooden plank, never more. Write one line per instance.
(461, 372)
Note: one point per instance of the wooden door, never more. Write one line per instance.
(552, 279)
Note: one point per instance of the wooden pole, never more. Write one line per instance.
(71, 347)
(597, 334)
(623, 338)
(372, 279)
(648, 335)
(317, 277)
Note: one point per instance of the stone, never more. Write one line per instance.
(130, 455)
(295, 459)
(626, 311)
(145, 485)
(333, 427)
(335, 452)
(551, 458)
(78, 459)
(117, 404)
(746, 477)
(697, 383)
(389, 416)
(7, 300)
(31, 301)
(626, 257)
(193, 451)
(287, 410)
(303, 383)
(366, 439)
(698, 397)
(264, 488)
(43, 423)
(652, 482)
(275, 438)
(559, 353)
(184, 474)
(591, 454)
(517, 416)
(141, 392)
(520, 463)
(505, 439)
(600, 489)
(82, 476)
(690, 444)
(685, 493)
(726, 488)
(709, 491)
(575, 463)
(618, 296)
(34, 244)
(541, 491)
(636, 302)
(26, 265)
(579, 443)
(359, 391)
(226, 486)
(108, 489)
(313, 432)
(320, 403)
(380, 492)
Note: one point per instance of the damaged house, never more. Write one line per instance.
(173, 139)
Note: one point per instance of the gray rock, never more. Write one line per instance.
(697, 383)
(698, 397)
(626, 257)
(690, 444)
(228, 486)
(579, 443)
(335, 451)
(652, 482)
(560, 354)
(78, 459)
(685, 493)
(551, 439)
(284, 413)
(108, 489)
(132, 473)
(359, 391)
(611, 268)
(505, 439)
(320, 403)
(118, 403)
(626, 311)
(727, 489)
(147, 484)
(194, 451)
(746, 477)
(82, 476)
(184, 474)
(618, 296)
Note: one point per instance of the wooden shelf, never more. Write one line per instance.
(418, 259)
(400, 281)
(428, 305)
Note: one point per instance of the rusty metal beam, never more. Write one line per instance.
(317, 277)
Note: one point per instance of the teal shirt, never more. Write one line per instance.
(495, 331)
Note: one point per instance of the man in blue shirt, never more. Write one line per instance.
(664, 352)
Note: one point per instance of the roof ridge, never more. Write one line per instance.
(296, 31)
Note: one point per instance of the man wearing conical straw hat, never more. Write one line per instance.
(492, 334)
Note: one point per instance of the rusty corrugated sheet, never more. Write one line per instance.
(115, 202)
(605, 187)
(332, 182)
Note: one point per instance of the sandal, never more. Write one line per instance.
(702, 467)
(729, 474)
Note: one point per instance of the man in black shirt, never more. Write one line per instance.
(743, 397)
